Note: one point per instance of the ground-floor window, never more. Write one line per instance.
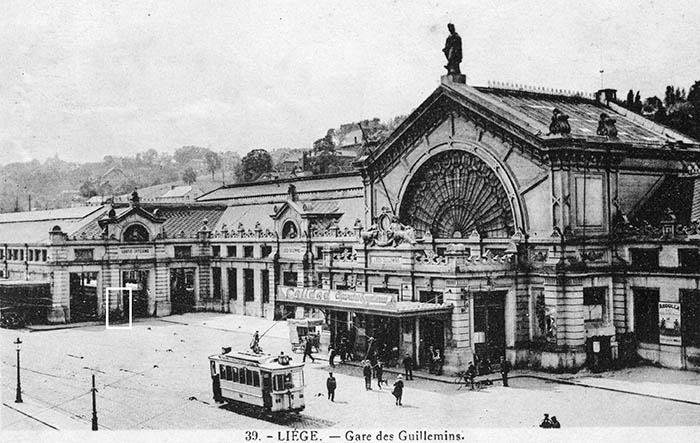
(182, 290)
(594, 304)
(265, 282)
(646, 314)
(216, 282)
(232, 283)
(690, 317)
(138, 282)
(489, 325)
(248, 286)
(83, 296)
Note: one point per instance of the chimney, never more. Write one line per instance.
(606, 95)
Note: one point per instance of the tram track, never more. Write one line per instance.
(294, 420)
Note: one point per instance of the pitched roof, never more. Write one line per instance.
(34, 226)
(277, 190)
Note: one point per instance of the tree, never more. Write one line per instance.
(325, 143)
(253, 165)
(88, 189)
(324, 162)
(213, 162)
(189, 176)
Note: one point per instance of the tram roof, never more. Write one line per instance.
(266, 361)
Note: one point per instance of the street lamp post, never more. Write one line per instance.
(18, 398)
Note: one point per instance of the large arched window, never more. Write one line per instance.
(455, 193)
(136, 234)
(290, 230)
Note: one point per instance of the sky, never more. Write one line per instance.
(86, 79)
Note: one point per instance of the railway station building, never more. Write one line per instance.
(556, 229)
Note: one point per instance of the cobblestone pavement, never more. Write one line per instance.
(156, 376)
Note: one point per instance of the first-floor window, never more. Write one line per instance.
(593, 304)
(232, 284)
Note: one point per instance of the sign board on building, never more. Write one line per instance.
(669, 323)
(292, 251)
(383, 260)
(336, 298)
(127, 252)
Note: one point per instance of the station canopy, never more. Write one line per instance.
(361, 302)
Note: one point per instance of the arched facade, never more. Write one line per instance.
(454, 193)
(456, 188)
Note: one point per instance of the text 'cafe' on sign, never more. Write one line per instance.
(333, 297)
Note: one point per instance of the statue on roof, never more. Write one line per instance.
(559, 123)
(606, 126)
(453, 51)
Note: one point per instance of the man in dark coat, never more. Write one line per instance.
(379, 371)
(308, 347)
(398, 389)
(505, 369)
(330, 385)
(408, 366)
(546, 422)
(331, 357)
(367, 372)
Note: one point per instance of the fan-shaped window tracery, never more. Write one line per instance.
(455, 193)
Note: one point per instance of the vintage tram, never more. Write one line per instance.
(272, 383)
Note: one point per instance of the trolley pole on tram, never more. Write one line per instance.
(94, 405)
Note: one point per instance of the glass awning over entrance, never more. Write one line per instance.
(363, 302)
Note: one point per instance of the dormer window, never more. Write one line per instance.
(136, 234)
(289, 230)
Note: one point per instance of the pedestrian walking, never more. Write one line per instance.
(331, 356)
(367, 372)
(431, 360)
(308, 348)
(546, 422)
(331, 385)
(398, 389)
(408, 366)
(379, 370)
(437, 362)
(505, 369)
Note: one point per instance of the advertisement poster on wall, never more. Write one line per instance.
(670, 323)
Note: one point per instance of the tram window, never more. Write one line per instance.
(288, 384)
(249, 377)
(228, 373)
(222, 372)
(279, 382)
(256, 379)
(234, 374)
(298, 378)
(241, 376)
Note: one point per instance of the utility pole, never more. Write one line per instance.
(94, 405)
